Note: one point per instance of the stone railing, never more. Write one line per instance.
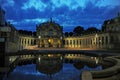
(106, 73)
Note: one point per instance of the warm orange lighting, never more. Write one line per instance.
(49, 40)
(49, 55)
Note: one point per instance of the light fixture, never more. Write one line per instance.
(49, 40)
(39, 58)
(39, 37)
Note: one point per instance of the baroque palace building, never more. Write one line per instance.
(50, 34)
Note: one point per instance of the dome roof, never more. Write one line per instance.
(49, 26)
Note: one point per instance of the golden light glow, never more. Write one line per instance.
(49, 55)
(39, 58)
(49, 40)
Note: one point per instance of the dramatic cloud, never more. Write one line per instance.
(26, 14)
(37, 4)
(7, 2)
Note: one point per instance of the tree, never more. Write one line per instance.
(70, 33)
(66, 34)
(78, 30)
(20, 31)
(91, 29)
(25, 32)
(105, 24)
(30, 33)
(34, 33)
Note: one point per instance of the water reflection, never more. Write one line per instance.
(49, 64)
(54, 67)
(28, 72)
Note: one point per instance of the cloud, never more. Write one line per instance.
(7, 2)
(37, 20)
(68, 13)
(110, 3)
(37, 4)
(28, 24)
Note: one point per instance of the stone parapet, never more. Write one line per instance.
(108, 73)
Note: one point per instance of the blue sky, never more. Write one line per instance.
(26, 14)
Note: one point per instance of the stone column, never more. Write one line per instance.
(78, 42)
(81, 43)
(26, 42)
(66, 45)
(86, 43)
(30, 42)
(109, 41)
(97, 42)
(89, 42)
(73, 43)
(23, 43)
(104, 41)
(69, 43)
(100, 41)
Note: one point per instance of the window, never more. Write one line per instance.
(111, 39)
(106, 40)
(3, 34)
(42, 33)
(102, 40)
(51, 32)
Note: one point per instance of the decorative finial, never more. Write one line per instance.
(50, 19)
(118, 14)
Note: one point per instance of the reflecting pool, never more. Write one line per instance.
(53, 67)
(29, 72)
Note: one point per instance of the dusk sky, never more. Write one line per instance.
(26, 14)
